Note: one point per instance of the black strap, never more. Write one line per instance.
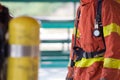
(99, 10)
(93, 54)
(76, 26)
(99, 19)
(72, 63)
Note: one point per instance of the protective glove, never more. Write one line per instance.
(70, 73)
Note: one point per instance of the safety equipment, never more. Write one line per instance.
(79, 52)
(96, 33)
(24, 42)
(100, 67)
(98, 28)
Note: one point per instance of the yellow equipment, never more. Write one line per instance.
(24, 42)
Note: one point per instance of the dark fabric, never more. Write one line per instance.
(4, 46)
(4, 19)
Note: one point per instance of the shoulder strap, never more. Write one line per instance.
(99, 18)
(76, 26)
(99, 10)
(72, 63)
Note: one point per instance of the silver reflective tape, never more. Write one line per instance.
(22, 51)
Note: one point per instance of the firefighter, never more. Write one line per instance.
(95, 51)
(4, 19)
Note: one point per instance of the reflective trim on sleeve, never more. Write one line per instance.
(111, 28)
(111, 63)
(78, 32)
(88, 62)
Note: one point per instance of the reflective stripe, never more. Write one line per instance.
(88, 62)
(111, 28)
(17, 51)
(112, 63)
(78, 32)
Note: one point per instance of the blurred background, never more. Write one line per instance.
(56, 18)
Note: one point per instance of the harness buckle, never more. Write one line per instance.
(88, 55)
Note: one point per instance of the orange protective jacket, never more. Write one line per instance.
(106, 67)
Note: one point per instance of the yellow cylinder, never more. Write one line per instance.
(24, 42)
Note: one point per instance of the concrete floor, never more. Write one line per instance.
(52, 73)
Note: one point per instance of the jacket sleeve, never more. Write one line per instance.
(111, 29)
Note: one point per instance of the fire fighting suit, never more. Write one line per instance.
(104, 64)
